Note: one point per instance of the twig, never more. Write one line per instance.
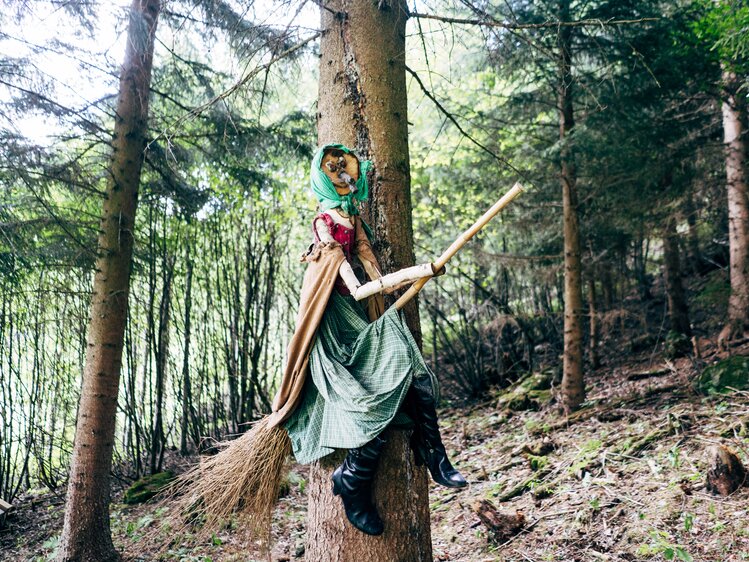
(544, 25)
(246, 78)
(524, 555)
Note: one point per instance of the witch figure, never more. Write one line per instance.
(354, 369)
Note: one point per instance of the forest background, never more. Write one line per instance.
(626, 126)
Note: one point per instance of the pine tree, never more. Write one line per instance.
(362, 103)
(86, 534)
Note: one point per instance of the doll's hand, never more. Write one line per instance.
(393, 281)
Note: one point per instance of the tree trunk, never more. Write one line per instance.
(186, 389)
(595, 331)
(573, 387)
(362, 103)
(607, 287)
(86, 535)
(162, 353)
(400, 495)
(678, 311)
(734, 116)
(693, 242)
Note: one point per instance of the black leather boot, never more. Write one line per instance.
(426, 441)
(353, 482)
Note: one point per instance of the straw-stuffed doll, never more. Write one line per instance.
(352, 367)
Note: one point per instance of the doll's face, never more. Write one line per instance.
(339, 166)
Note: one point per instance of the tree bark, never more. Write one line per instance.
(678, 310)
(362, 103)
(734, 117)
(86, 535)
(573, 386)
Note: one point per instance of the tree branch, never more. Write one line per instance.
(543, 25)
(465, 133)
(246, 78)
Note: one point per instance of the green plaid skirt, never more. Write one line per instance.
(359, 373)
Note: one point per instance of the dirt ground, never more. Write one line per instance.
(621, 480)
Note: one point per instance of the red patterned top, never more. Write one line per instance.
(346, 237)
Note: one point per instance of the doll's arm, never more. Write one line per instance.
(379, 284)
(346, 271)
(394, 280)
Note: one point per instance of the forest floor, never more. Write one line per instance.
(621, 480)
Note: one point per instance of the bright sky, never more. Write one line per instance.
(85, 79)
(82, 80)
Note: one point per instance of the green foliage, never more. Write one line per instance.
(714, 294)
(724, 28)
(674, 457)
(727, 374)
(676, 344)
(51, 544)
(587, 454)
(292, 479)
(660, 544)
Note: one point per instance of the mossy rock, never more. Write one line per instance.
(539, 381)
(724, 375)
(528, 392)
(147, 487)
(522, 403)
(677, 345)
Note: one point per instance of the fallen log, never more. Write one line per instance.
(501, 526)
(641, 375)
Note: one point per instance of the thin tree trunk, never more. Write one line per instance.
(678, 311)
(186, 390)
(734, 116)
(693, 242)
(640, 250)
(362, 103)
(573, 386)
(607, 287)
(162, 353)
(86, 535)
(595, 331)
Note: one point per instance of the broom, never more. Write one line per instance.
(242, 480)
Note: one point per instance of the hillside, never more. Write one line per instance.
(623, 479)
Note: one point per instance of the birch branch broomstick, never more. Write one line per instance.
(461, 241)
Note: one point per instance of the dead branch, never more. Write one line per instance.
(543, 25)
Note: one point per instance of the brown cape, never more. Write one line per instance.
(324, 261)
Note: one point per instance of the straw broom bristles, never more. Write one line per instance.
(242, 481)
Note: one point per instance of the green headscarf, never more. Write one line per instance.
(324, 189)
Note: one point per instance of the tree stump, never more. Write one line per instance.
(725, 473)
(502, 526)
